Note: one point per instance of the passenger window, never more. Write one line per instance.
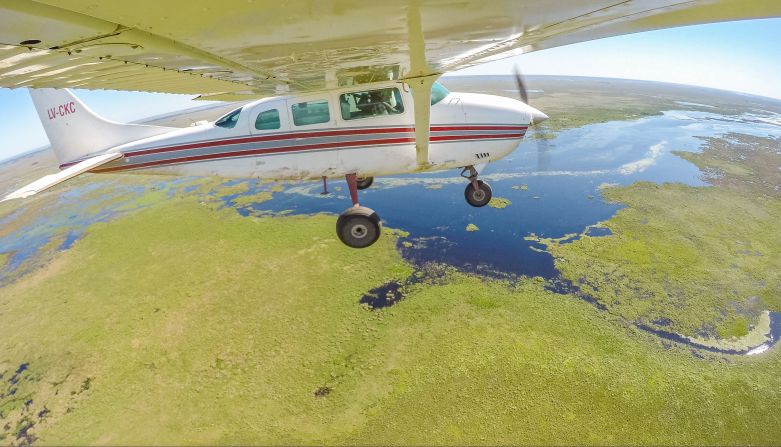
(267, 120)
(312, 112)
(229, 121)
(381, 102)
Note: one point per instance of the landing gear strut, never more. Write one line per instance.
(359, 226)
(477, 193)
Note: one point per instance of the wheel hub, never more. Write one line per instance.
(359, 231)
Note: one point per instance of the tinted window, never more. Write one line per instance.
(267, 120)
(312, 112)
(381, 102)
(438, 93)
(229, 121)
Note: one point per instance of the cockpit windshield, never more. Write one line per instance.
(438, 93)
(229, 121)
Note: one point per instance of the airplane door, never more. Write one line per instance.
(383, 117)
(311, 147)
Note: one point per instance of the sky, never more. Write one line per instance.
(740, 56)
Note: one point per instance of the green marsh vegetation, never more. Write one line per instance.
(210, 328)
(499, 202)
(705, 260)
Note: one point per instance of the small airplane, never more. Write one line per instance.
(349, 87)
(357, 132)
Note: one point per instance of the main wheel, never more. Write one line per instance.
(358, 227)
(480, 196)
(364, 182)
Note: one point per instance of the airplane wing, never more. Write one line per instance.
(54, 179)
(253, 48)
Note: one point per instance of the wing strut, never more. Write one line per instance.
(420, 79)
(421, 94)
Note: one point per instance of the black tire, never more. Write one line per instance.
(358, 227)
(478, 197)
(364, 182)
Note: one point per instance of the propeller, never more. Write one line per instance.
(521, 85)
(543, 148)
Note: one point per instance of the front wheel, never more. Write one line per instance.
(364, 182)
(480, 196)
(358, 227)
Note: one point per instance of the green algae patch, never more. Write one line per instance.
(605, 185)
(238, 188)
(250, 199)
(569, 237)
(395, 232)
(499, 202)
(472, 227)
(523, 187)
(739, 335)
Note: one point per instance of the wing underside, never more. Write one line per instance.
(55, 179)
(260, 48)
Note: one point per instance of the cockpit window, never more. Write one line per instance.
(438, 93)
(229, 121)
(370, 103)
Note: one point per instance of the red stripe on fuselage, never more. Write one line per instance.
(457, 128)
(292, 135)
(302, 148)
(250, 152)
(474, 137)
(276, 137)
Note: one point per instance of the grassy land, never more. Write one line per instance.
(708, 260)
(211, 328)
(744, 164)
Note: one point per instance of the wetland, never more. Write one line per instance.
(631, 254)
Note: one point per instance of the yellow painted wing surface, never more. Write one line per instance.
(253, 48)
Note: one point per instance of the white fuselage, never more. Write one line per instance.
(466, 129)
